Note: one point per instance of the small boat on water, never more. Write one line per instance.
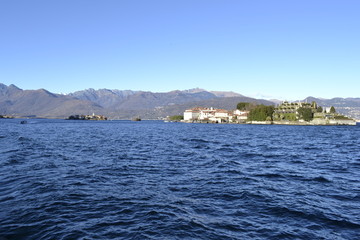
(23, 122)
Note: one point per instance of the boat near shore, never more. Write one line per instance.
(136, 119)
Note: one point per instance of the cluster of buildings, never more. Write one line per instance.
(295, 113)
(293, 107)
(87, 117)
(290, 112)
(213, 115)
(287, 111)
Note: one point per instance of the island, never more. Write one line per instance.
(136, 119)
(87, 117)
(286, 113)
(6, 116)
(308, 114)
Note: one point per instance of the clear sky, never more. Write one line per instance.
(287, 49)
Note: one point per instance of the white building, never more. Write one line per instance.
(192, 114)
(207, 114)
(241, 115)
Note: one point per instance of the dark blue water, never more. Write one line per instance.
(153, 180)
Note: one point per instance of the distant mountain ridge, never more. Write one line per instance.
(125, 104)
(347, 106)
(41, 103)
(336, 102)
(117, 104)
(104, 97)
(128, 99)
(118, 100)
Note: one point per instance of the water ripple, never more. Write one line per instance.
(151, 180)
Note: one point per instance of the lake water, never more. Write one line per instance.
(153, 180)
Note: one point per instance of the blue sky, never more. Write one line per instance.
(275, 48)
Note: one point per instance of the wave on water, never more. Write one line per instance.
(151, 180)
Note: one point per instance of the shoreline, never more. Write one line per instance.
(289, 123)
(331, 123)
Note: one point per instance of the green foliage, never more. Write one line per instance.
(332, 110)
(277, 117)
(261, 113)
(285, 116)
(341, 117)
(176, 118)
(319, 109)
(290, 116)
(306, 114)
(314, 105)
(244, 106)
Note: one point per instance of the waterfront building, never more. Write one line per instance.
(214, 115)
(290, 111)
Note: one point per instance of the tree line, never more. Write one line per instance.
(257, 112)
(265, 113)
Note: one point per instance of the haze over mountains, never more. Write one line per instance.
(126, 104)
(40, 103)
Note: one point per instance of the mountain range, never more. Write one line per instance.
(126, 104)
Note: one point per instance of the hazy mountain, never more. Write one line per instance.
(116, 99)
(216, 93)
(336, 102)
(194, 90)
(42, 103)
(113, 103)
(347, 106)
(104, 97)
(276, 101)
(118, 104)
(146, 100)
(226, 94)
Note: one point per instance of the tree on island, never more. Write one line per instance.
(261, 113)
(244, 106)
(319, 109)
(305, 113)
(332, 109)
(176, 118)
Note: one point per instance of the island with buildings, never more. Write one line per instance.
(213, 115)
(286, 113)
(87, 117)
(6, 116)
